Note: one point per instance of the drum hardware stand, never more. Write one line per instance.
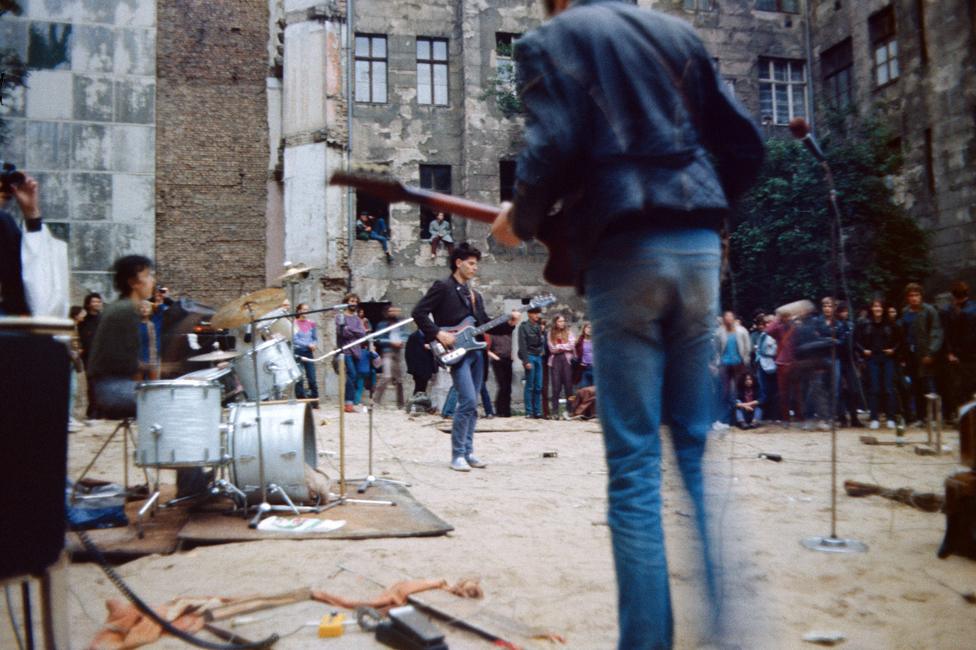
(833, 544)
(933, 405)
(341, 498)
(126, 427)
(264, 507)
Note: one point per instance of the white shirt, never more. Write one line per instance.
(44, 259)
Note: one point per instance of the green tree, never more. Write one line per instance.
(13, 71)
(780, 247)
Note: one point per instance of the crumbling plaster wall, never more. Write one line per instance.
(939, 95)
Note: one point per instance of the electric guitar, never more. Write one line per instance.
(558, 270)
(465, 334)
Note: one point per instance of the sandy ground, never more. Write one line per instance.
(533, 530)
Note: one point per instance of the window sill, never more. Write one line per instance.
(886, 84)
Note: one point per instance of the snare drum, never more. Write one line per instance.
(276, 369)
(230, 388)
(179, 423)
(288, 442)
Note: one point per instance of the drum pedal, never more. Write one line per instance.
(408, 629)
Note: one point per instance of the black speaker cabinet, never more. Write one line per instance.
(34, 384)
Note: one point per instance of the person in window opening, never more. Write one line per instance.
(369, 229)
(440, 232)
(306, 342)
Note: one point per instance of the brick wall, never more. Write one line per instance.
(212, 148)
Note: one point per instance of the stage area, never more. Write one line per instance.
(533, 529)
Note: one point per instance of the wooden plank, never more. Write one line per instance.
(474, 615)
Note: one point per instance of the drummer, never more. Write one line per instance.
(113, 363)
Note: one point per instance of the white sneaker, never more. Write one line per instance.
(890, 424)
(473, 461)
(460, 465)
(874, 425)
(720, 426)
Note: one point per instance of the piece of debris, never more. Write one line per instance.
(924, 501)
(824, 638)
(924, 450)
(550, 454)
(776, 458)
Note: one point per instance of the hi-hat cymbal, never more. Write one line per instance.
(238, 312)
(298, 271)
(216, 355)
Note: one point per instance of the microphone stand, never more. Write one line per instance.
(832, 543)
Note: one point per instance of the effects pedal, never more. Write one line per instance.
(408, 629)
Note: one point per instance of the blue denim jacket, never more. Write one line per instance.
(625, 118)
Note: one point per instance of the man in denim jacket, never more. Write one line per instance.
(631, 129)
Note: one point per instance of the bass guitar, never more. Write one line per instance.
(466, 334)
(558, 270)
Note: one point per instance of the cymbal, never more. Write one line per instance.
(216, 355)
(295, 272)
(238, 312)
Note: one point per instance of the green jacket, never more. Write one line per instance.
(926, 332)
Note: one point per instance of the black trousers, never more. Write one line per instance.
(503, 377)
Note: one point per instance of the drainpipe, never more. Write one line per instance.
(811, 104)
(350, 65)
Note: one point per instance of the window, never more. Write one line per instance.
(698, 5)
(836, 65)
(782, 90)
(506, 180)
(923, 46)
(504, 64)
(370, 68)
(437, 178)
(432, 71)
(884, 45)
(783, 6)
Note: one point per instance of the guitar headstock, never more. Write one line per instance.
(373, 179)
(540, 301)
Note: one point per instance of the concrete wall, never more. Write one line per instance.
(85, 126)
(938, 95)
(213, 152)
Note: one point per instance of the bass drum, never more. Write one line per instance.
(288, 441)
(179, 423)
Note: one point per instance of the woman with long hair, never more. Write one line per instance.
(562, 346)
(584, 356)
(306, 342)
(878, 340)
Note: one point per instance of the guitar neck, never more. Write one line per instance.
(439, 202)
(481, 329)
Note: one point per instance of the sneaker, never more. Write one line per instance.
(349, 408)
(474, 462)
(823, 426)
(890, 424)
(74, 426)
(720, 426)
(874, 425)
(460, 465)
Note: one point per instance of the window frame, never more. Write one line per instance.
(427, 174)
(432, 63)
(883, 35)
(371, 60)
(769, 64)
(837, 67)
(698, 5)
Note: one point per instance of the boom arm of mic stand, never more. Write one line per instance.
(368, 337)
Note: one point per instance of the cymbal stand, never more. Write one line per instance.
(341, 498)
(264, 507)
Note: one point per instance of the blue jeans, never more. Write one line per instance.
(532, 392)
(468, 376)
(450, 402)
(309, 369)
(881, 378)
(653, 297)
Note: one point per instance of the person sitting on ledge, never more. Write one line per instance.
(368, 228)
(440, 231)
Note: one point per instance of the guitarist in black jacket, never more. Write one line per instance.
(448, 302)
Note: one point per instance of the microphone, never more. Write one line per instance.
(801, 131)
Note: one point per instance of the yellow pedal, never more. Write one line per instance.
(332, 625)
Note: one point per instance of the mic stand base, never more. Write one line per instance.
(834, 545)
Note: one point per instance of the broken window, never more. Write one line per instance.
(432, 71)
(782, 90)
(884, 45)
(837, 64)
(371, 61)
(504, 63)
(437, 178)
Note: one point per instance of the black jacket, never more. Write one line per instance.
(626, 118)
(449, 303)
(13, 300)
(877, 337)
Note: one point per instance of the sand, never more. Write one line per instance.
(533, 530)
